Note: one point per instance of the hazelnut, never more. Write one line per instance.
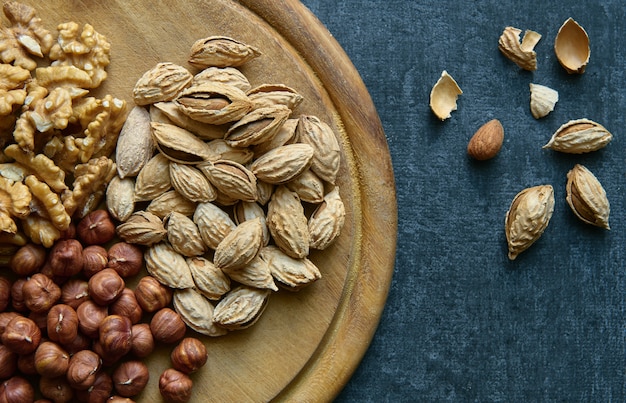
(127, 305)
(115, 335)
(105, 286)
(8, 362)
(152, 295)
(66, 258)
(80, 342)
(22, 336)
(95, 259)
(130, 378)
(175, 386)
(62, 323)
(16, 390)
(56, 389)
(126, 259)
(26, 364)
(74, 292)
(17, 295)
(142, 340)
(96, 228)
(90, 315)
(5, 293)
(82, 369)
(51, 360)
(167, 326)
(40, 293)
(5, 318)
(28, 259)
(189, 355)
(99, 392)
(47, 271)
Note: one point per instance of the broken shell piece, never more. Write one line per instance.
(587, 198)
(443, 96)
(522, 53)
(579, 136)
(542, 100)
(571, 47)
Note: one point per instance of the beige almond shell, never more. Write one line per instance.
(285, 135)
(221, 51)
(240, 155)
(587, 198)
(168, 266)
(241, 307)
(120, 198)
(213, 223)
(274, 94)
(183, 235)
(232, 179)
(210, 281)
(291, 273)
(443, 96)
(327, 220)
(542, 100)
(308, 186)
(142, 228)
(528, 217)
(240, 246)
(223, 75)
(196, 311)
(571, 47)
(153, 179)
(135, 145)
(283, 163)
(192, 184)
(287, 223)
(579, 136)
(214, 103)
(180, 145)
(326, 158)
(174, 116)
(163, 82)
(254, 274)
(171, 201)
(244, 211)
(521, 53)
(258, 126)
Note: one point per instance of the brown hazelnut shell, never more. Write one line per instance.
(66, 258)
(21, 335)
(167, 326)
(96, 228)
(82, 369)
(40, 293)
(28, 259)
(8, 362)
(16, 390)
(175, 386)
(62, 323)
(105, 286)
(51, 360)
(56, 389)
(189, 355)
(126, 259)
(130, 378)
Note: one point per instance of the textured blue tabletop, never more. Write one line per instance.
(462, 322)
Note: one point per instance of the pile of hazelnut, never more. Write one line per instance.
(72, 329)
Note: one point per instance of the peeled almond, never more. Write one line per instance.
(542, 100)
(571, 46)
(487, 141)
(443, 96)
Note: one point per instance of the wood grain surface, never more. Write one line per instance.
(307, 344)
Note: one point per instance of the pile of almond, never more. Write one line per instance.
(226, 190)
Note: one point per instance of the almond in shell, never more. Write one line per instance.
(210, 281)
(240, 246)
(241, 307)
(168, 266)
(327, 220)
(290, 273)
(287, 223)
(196, 311)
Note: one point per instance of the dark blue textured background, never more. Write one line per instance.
(462, 322)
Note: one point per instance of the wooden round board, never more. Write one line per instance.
(307, 344)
